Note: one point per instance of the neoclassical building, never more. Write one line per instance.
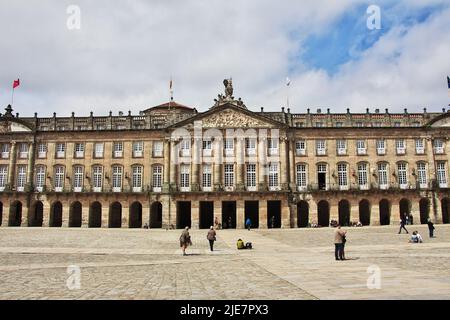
(171, 166)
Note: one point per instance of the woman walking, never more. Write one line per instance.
(211, 237)
(185, 240)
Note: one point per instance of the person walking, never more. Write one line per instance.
(430, 227)
(248, 223)
(211, 236)
(402, 225)
(339, 239)
(185, 240)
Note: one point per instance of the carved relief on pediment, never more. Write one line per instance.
(442, 123)
(11, 126)
(229, 118)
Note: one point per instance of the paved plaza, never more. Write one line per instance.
(284, 264)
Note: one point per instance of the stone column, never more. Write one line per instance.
(415, 210)
(25, 213)
(195, 164)
(354, 210)
(283, 164)
(262, 214)
(85, 216)
(12, 164)
(65, 215)
(395, 212)
(292, 182)
(30, 168)
(218, 211)
(262, 165)
(285, 214)
(240, 214)
(173, 212)
(173, 165)
(5, 215)
(195, 214)
(374, 213)
(166, 169)
(125, 215)
(293, 213)
(46, 214)
(334, 210)
(165, 202)
(105, 215)
(313, 212)
(217, 165)
(240, 165)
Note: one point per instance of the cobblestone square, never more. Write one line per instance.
(284, 264)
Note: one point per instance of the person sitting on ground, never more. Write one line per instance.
(416, 237)
(240, 244)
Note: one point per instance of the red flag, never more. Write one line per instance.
(16, 83)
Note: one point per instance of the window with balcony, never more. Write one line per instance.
(21, 178)
(400, 146)
(322, 178)
(422, 175)
(420, 146)
(158, 148)
(229, 147)
(3, 177)
(381, 147)
(402, 175)
(117, 172)
(79, 150)
(251, 177)
(343, 176)
(97, 175)
(229, 175)
(60, 150)
(250, 146)
(40, 178)
(5, 151)
(118, 149)
(185, 146)
(137, 178)
(207, 178)
(363, 176)
(273, 176)
(438, 145)
(300, 147)
(383, 176)
(42, 150)
(441, 174)
(157, 178)
(138, 149)
(341, 147)
(361, 148)
(321, 147)
(301, 177)
(23, 150)
(185, 177)
(59, 178)
(78, 178)
(272, 146)
(207, 148)
(98, 150)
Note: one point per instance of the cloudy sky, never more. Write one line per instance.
(125, 52)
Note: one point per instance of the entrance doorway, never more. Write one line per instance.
(302, 214)
(56, 215)
(183, 214)
(37, 215)
(252, 213)
(75, 215)
(15, 214)
(445, 204)
(135, 216)
(323, 213)
(344, 213)
(364, 212)
(405, 209)
(229, 214)
(424, 206)
(95, 215)
(156, 215)
(385, 212)
(206, 214)
(274, 214)
(115, 215)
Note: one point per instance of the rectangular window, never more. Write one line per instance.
(420, 146)
(60, 150)
(23, 150)
(207, 148)
(272, 145)
(400, 146)
(21, 178)
(301, 177)
(321, 147)
(40, 178)
(229, 146)
(185, 171)
(402, 175)
(158, 148)
(250, 146)
(3, 177)
(118, 150)
(98, 178)
(341, 146)
(207, 178)
(300, 147)
(137, 179)
(138, 149)
(381, 147)
(363, 179)
(229, 175)
(383, 182)
(78, 178)
(59, 178)
(79, 150)
(361, 147)
(185, 146)
(42, 150)
(422, 175)
(117, 178)
(442, 174)
(273, 176)
(251, 177)
(322, 177)
(157, 178)
(342, 176)
(5, 151)
(438, 145)
(98, 150)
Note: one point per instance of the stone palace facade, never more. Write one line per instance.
(171, 166)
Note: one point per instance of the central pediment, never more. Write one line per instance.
(230, 116)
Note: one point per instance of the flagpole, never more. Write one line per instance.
(12, 97)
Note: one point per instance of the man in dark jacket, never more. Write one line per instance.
(430, 227)
(402, 225)
(211, 236)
